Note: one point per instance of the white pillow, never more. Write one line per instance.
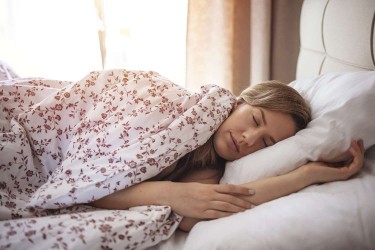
(343, 108)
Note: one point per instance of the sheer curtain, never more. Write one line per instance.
(218, 43)
(233, 43)
(236, 43)
(52, 39)
(65, 39)
(145, 35)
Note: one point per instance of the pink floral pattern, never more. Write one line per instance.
(137, 228)
(64, 144)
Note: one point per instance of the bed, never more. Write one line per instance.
(335, 72)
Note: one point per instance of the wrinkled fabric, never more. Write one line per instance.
(65, 144)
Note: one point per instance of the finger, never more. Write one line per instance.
(215, 214)
(361, 146)
(356, 164)
(233, 189)
(234, 200)
(358, 145)
(225, 207)
(357, 156)
(355, 149)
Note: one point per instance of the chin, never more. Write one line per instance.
(227, 157)
(221, 150)
(218, 150)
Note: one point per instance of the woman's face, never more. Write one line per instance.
(249, 129)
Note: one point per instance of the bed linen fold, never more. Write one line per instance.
(64, 144)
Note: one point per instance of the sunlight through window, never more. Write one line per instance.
(61, 39)
(146, 35)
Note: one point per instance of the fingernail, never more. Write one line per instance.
(251, 191)
(252, 206)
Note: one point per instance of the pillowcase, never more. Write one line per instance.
(342, 106)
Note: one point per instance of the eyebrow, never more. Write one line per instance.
(265, 123)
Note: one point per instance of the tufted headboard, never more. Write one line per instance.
(336, 35)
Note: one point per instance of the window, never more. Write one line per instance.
(146, 34)
(65, 39)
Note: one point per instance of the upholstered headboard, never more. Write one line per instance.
(336, 35)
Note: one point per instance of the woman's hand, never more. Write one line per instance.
(321, 172)
(208, 201)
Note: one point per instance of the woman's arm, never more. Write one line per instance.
(315, 172)
(208, 176)
(210, 201)
(197, 200)
(306, 175)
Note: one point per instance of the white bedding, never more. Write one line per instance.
(338, 215)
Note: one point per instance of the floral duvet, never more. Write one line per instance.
(65, 144)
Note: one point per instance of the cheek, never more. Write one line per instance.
(288, 132)
(218, 145)
(258, 145)
(216, 140)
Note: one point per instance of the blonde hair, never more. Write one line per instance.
(271, 95)
(278, 96)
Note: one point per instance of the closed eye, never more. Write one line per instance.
(265, 144)
(257, 124)
(255, 121)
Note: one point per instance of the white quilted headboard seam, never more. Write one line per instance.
(336, 35)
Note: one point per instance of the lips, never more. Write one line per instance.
(235, 143)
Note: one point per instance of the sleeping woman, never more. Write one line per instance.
(263, 115)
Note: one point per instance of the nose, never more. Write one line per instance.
(251, 136)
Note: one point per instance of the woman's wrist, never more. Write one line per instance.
(166, 195)
(306, 176)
